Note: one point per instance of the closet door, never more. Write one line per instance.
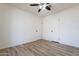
(51, 28)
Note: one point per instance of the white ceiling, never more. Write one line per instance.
(56, 7)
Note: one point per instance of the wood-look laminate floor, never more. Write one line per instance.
(41, 48)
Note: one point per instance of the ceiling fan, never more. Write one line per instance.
(46, 6)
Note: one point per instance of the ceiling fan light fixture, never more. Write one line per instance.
(44, 6)
(40, 6)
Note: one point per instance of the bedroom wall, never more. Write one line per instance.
(65, 26)
(17, 26)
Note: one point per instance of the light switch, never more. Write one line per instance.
(36, 30)
(51, 30)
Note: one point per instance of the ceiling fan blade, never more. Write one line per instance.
(34, 4)
(47, 3)
(39, 10)
(48, 8)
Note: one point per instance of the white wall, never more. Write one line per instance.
(65, 26)
(17, 26)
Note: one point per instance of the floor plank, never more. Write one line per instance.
(41, 48)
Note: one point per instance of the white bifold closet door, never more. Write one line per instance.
(51, 28)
